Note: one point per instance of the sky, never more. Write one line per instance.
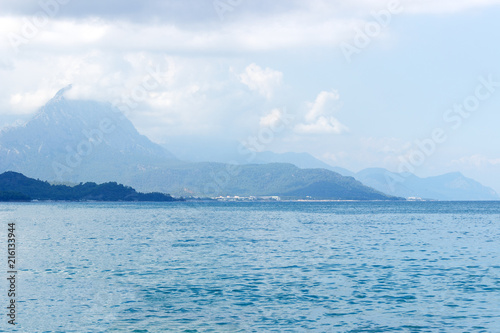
(408, 85)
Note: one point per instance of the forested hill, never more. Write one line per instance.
(17, 187)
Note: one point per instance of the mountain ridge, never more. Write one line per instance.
(448, 186)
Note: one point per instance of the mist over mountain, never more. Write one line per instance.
(87, 141)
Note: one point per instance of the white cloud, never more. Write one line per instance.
(195, 96)
(104, 55)
(294, 30)
(264, 81)
(410, 6)
(271, 119)
(444, 6)
(294, 26)
(26, 102)
(291, 24)
(318, 118)
(321, 105)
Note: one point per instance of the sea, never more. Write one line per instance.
(252, 267)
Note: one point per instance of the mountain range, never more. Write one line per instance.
(73, 141)
(450, 186)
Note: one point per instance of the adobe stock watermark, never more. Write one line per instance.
(249, 149)
(32, 26)
(371, 30)
(224, 6)
(454, 118)
(95, 136)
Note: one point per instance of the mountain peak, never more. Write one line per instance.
(60, 94)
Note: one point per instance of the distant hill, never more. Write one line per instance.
(278, 179)
(450, 186)
(453, 186)
(17, 187)
(7, 196)
(222, 151)
(302, 160)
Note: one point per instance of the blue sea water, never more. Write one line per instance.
(255, 267)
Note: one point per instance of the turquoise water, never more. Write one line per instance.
(255, 267)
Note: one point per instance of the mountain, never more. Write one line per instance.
(302, 160)
(285, 180)
(223, 151)
(87, 141)
(17, 187)
(67, 138)
(450, 186)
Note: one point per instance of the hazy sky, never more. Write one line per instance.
(355, 83)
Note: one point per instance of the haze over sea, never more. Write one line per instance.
(256, 267)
